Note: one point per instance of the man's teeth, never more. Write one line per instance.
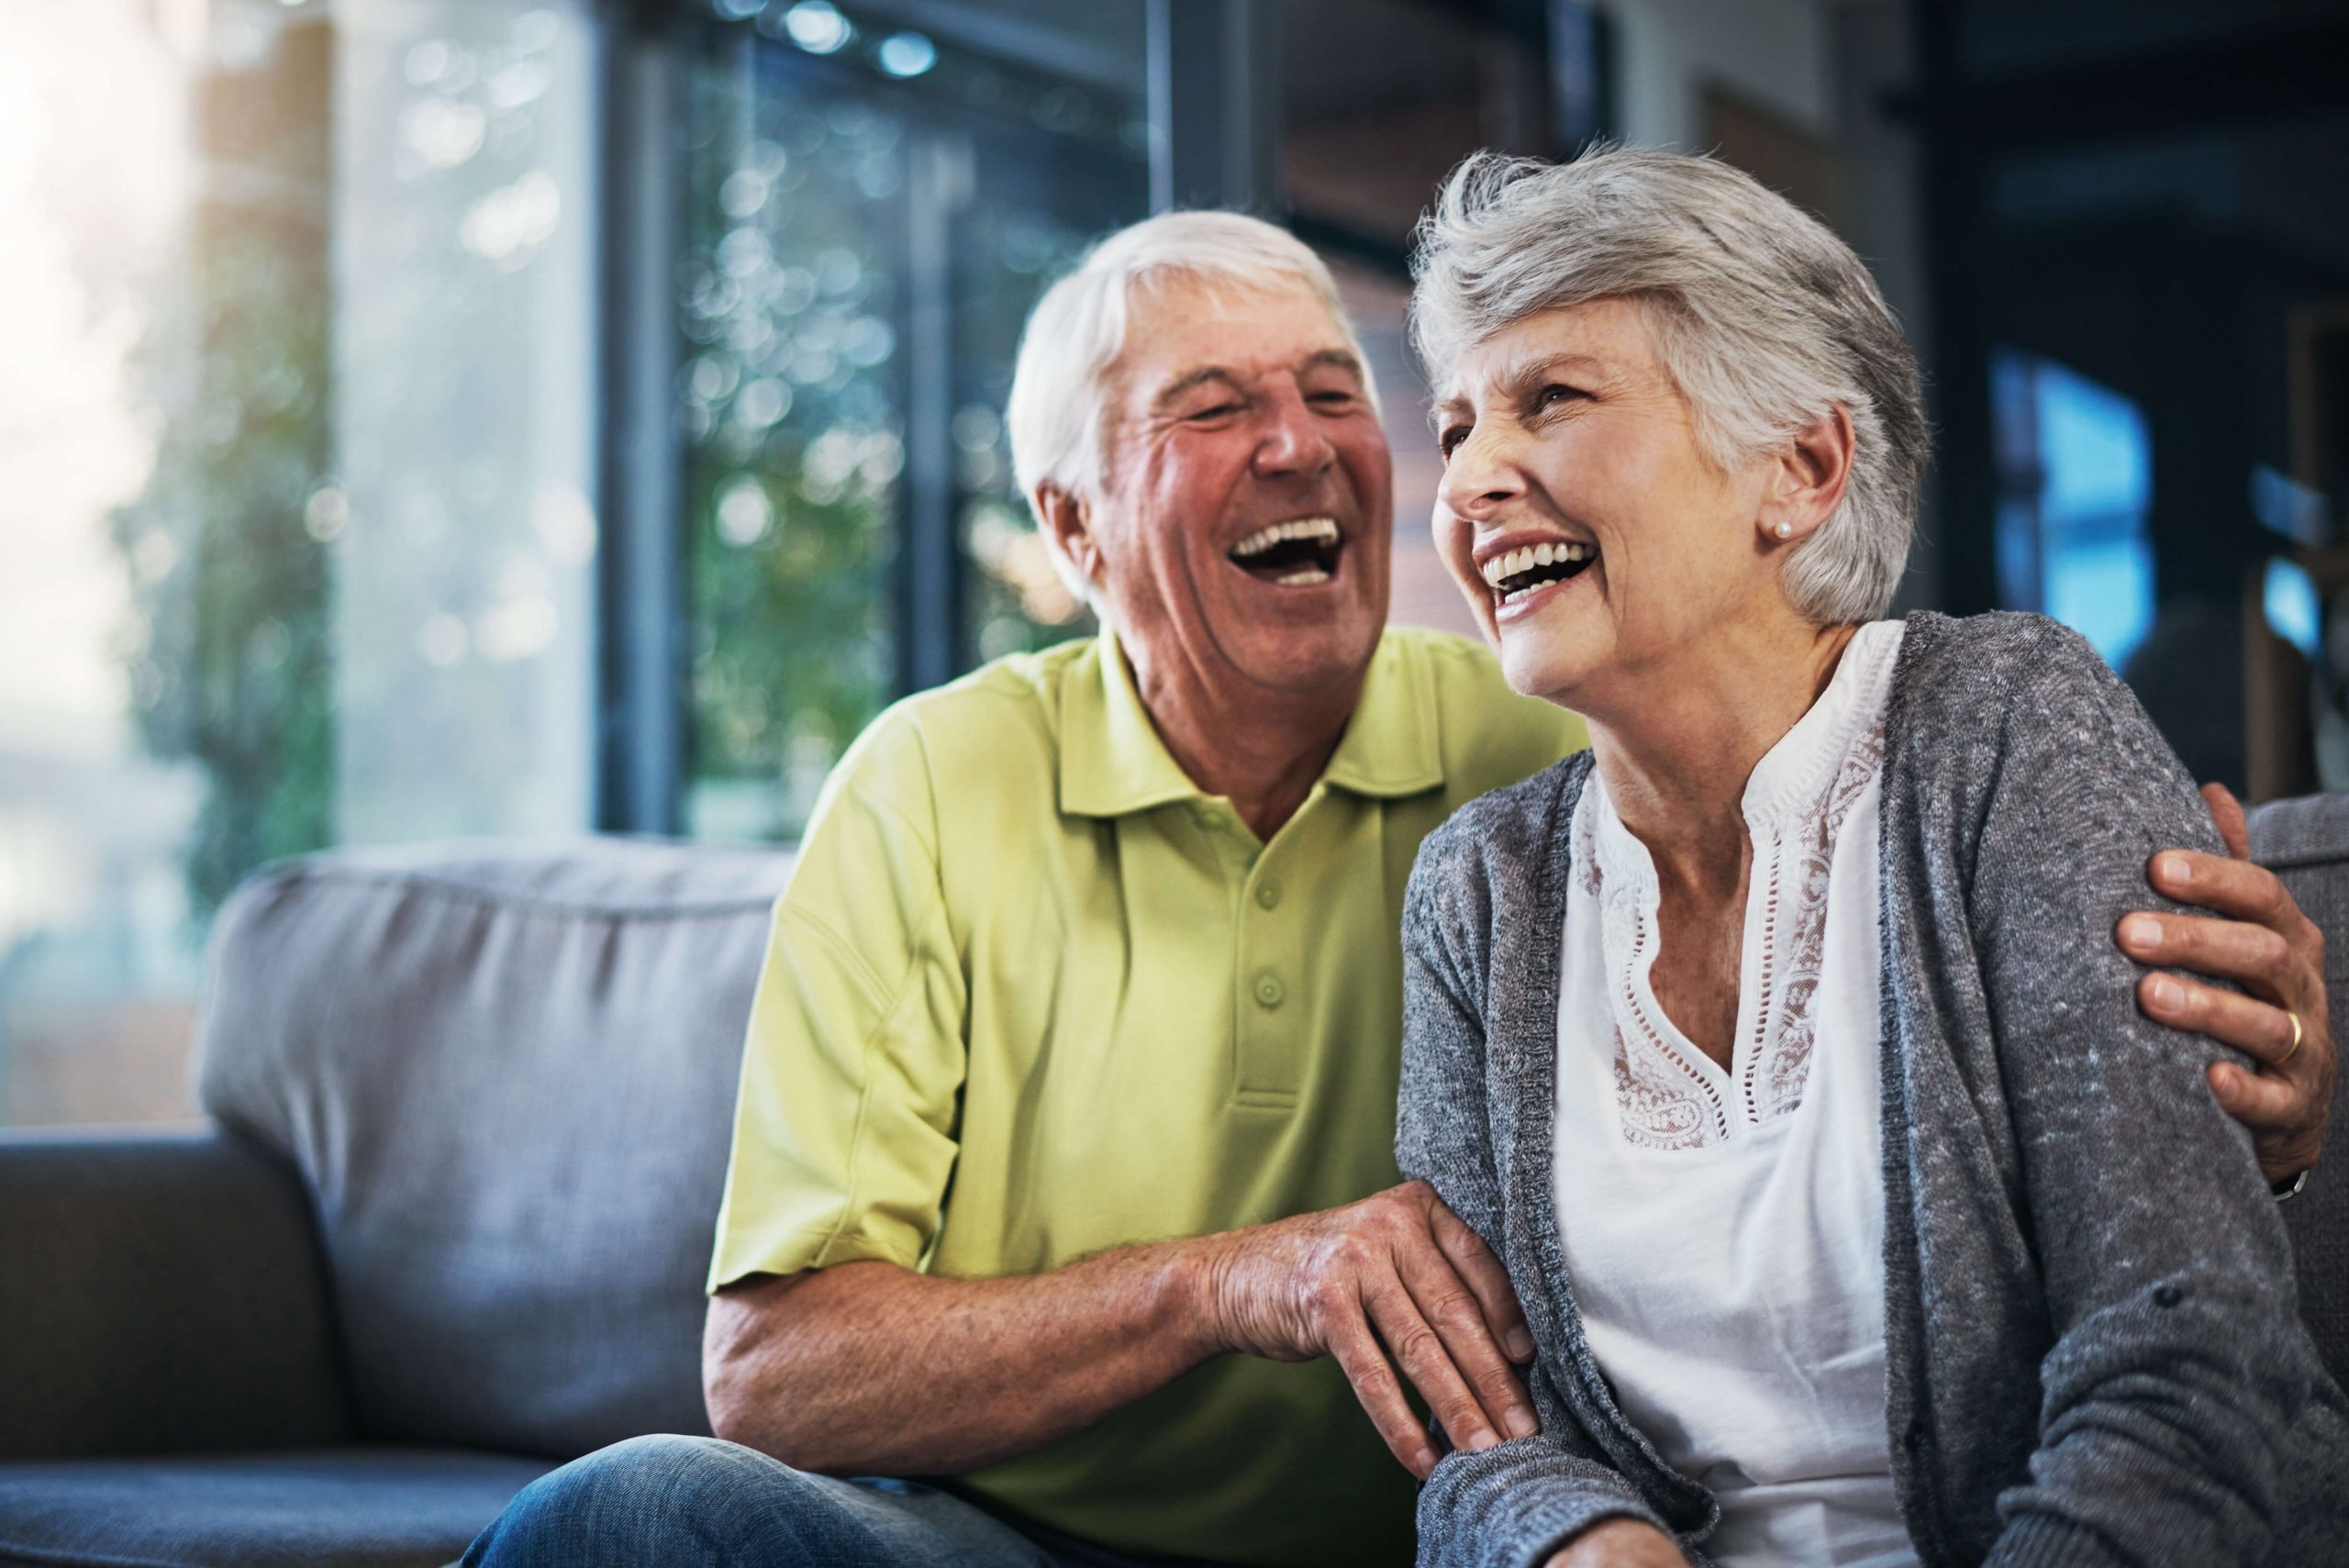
(1500, 568)
(1325, 529)
(1303, 578)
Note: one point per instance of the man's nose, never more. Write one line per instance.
(1292, 440)
(1479, 477)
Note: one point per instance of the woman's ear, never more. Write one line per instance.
(1068, 520)
(1808, 477)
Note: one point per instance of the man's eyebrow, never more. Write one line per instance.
(1200, 377)
(1325, 359)
(1337, 358)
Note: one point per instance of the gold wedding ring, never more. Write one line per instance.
(2296, 1036)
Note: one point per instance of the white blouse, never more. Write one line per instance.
(1724, 1229)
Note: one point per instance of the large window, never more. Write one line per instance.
(870, 212)
(308, 308)
(2075, 487)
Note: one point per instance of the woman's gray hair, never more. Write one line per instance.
(1763, 318)
(1060, 385)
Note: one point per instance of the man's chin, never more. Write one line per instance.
(1310, 658)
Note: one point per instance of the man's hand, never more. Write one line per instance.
(2262, 942)
(1620, 1544)
(1396, 1274)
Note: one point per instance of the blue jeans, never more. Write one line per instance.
(677, 1502)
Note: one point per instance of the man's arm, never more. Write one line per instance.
(2262, 943)
(872, 1368)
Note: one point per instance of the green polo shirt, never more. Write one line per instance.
(1031, 995)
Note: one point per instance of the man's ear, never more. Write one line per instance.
(1808, 477)
(1068, 520)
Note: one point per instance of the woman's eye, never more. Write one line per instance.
(1553, 395)
(1450, 438)
(1218, 411)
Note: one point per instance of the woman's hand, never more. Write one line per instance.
(2262, 942)
(1620, 1544)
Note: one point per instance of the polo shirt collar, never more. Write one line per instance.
(1390, 747)
(1112, 761)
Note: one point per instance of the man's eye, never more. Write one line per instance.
(1450, 436)
(1334, 399)
(1216, 411)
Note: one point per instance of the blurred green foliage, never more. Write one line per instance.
(228, 649)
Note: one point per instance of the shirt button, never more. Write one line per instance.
(1268, 893)
(1268, 991)
(1210, 819)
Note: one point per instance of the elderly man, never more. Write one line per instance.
(1068, 1105)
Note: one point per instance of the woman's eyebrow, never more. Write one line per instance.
(1549, 365)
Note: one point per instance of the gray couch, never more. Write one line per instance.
(451, 1230)
(473, 1110)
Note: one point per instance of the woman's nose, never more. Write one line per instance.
(1478, 476)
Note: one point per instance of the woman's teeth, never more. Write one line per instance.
(1523, 570)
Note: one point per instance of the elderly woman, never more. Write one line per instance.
(1777, 1044)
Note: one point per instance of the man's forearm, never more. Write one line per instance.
(872, 1369)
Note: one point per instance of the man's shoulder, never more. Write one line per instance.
(1490, 735)
(1001, 720)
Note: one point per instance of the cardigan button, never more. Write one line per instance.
(2167, 1295)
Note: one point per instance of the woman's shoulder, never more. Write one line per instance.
(1990, 704)
(1963, 679)
(1992, 654)
(1502, 834)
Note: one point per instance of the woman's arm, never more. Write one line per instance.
(2179, 1365)
(1514, 1505)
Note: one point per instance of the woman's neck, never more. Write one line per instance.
(1676, 755)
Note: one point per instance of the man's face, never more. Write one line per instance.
(1244, 527)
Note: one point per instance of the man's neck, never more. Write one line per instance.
(1259, 747)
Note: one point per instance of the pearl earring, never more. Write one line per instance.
(1785, 530)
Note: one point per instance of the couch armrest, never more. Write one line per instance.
(159, 1294)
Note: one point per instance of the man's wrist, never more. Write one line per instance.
(1191, 1293)
(2290, 1187)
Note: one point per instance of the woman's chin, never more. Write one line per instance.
(1545, 664)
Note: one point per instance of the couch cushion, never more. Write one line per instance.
(341, 1508)
(158, 1293)
(507, 1076)
(2306, 843)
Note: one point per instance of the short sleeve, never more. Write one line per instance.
(844, 1129)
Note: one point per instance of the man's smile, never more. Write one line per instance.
(1301, 552)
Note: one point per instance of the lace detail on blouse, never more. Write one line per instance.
(1667, 1095)
(1775, 1072)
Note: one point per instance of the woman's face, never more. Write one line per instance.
(1593, 537)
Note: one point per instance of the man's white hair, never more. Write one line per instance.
(1763, 318)
(1060, 385)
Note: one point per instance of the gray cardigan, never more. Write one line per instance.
(2094, 1353)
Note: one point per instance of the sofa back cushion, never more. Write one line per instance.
(507, 1076)
(2306, 843)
